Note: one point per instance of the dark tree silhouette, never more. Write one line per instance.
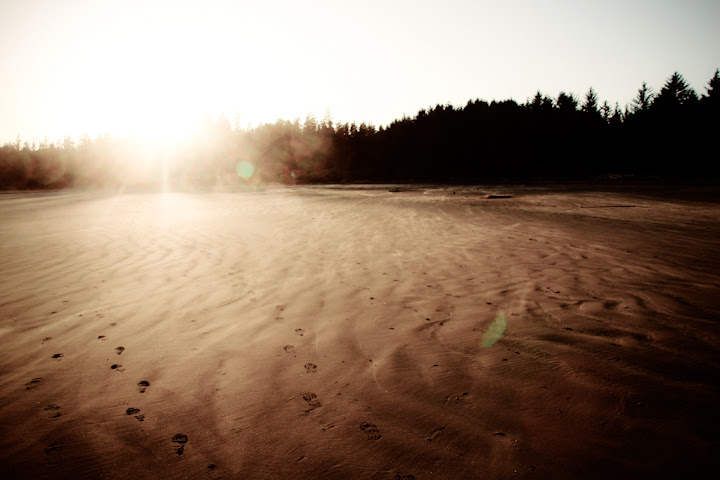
(590, 104)
(567, 102)
(606, 111)
(676, 92)
(642, 100)
(665, 134)
(712, 95)
(674, 123)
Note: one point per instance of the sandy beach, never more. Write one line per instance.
(344, 333)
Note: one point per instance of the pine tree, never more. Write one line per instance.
(566, 102)
(675, 92)
(540, 103)
(310, 126)
(643, 99)
(713, 88)
(605, 111)
(590, 105)
(616, 118)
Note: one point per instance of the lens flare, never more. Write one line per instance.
(245, 169)
(495, 330)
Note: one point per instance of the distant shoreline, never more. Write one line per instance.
(700, 189)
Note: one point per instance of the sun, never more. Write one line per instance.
(161, 84)
(165, 127)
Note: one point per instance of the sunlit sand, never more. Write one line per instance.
(358, 333)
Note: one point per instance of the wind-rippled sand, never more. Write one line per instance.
(358, 333)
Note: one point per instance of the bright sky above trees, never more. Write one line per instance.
(157, 67)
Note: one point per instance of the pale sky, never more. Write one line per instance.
(156, 67)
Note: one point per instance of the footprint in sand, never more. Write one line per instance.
(33, 384)
(102, 337)
(371, 431)
(117, 366)
(310, 368)
(299, 331)
(119, 350)
(312, 401)
(289, 348)
(57, 356)
(53, 455)
(180, 440)
(53, 411)
(434, 434)
(142, 385)
(46, 339)
(444, 312)
(134, 411)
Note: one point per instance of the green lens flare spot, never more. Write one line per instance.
(245, 169)
(495, 330)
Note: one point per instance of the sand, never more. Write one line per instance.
(425, 333)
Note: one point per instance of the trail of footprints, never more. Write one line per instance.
(142, 387)
(180, 440)
(371, 431)
(53, 451)
(310, 398)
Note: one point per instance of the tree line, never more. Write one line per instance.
(669, 133)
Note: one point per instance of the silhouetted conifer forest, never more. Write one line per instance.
(672, 133)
